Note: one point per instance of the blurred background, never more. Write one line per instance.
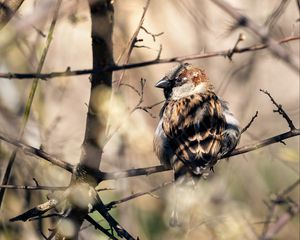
(230, 203)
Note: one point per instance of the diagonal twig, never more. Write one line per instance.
(99, 227)
(280, 110)
(8, 8)
(136, 195)
(250, 123)
(100, 207)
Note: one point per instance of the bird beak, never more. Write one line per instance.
(164, 83)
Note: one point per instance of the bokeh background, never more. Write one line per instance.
(230, 203)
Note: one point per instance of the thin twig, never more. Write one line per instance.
(38, 152)
(153, 35)
(133, 40)
(250, 123)
(136, 195)
(280, 110)
(233, 50)
(223, 53)
(47, 188)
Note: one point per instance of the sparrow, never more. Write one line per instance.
(196, 127)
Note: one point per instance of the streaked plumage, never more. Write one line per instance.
(196, 126)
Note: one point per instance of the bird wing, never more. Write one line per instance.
(194, 126)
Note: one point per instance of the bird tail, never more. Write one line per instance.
(184, 173)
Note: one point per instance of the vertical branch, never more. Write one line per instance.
(102, 27)
(102, 13)
(8, 9)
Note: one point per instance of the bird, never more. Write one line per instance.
(196, 127)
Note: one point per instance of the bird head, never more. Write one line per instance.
(184, 80)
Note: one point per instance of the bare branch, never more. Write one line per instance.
(280, 110)
(273, 46)
(8, 8)
(161, 168)
(223, 53)
(250, 123)
(99, 227)
(48, 188)
(100, 207)
(275, 15)
(270, 229)
(153, 35)
(133, 40)
(36, 211)
(100, 176)
(38, 152)
(276, 226)
(232, 51)
(136, 195)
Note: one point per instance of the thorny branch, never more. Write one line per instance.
(280, 110)
(68, 73)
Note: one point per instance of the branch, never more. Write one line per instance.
(269, 229)
(38, 152)
(100, 176)
(161, 168)
(36, 211)
(100, 207)
(68, 73)
(49, 188)
(99, 227)
(8, 8)
(273, 46)
(250, 123)
(133, 40)
(136, 195)
(281, 222)
(280, 110)
(102, 15)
